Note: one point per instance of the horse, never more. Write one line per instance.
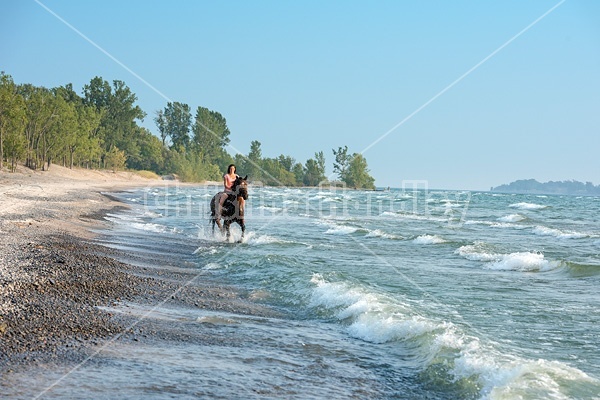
(233, 207)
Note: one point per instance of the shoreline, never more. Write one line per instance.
(57, 286)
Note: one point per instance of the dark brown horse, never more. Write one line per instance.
(233, 207)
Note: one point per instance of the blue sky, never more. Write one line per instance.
(308, 76)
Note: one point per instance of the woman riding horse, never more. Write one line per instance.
(232, 208)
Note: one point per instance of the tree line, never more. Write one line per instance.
(572, 187)
(100, 129)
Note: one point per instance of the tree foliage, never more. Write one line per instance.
(352, 169)
(314, 170)
(211, 134)
(101, 129)
(174, 123)
(12, 122)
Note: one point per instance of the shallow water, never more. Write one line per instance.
(407, 293)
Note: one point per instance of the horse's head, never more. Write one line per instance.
(240, 187)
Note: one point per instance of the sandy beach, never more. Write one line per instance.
(54, 281)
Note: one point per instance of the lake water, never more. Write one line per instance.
(409, 293)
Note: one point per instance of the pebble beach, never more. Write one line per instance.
(57, 285)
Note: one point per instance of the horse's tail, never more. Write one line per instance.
(212, 207)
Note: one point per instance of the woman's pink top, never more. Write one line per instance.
(228, 182)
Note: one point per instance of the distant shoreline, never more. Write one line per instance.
(531, 186)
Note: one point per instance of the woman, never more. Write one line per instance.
(228, 180)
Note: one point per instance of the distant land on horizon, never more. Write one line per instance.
(531, 186)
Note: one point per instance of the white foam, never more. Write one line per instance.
(412, 216)
(429, 239)
(519, 261)
(382, 234)
(253, 238)
(527, 206)
(507, 225)
(371, 317)
(477, 252)
(511, 218)
(378, 319)
(545, 231)
(477, 222)
(523, 261)
(212, 266)
(150, 227)
(205, 250)
(270, 209)
(507, 376)
(340, 230)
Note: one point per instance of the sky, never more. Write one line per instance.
(457, 94)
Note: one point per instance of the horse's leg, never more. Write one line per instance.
(216, 217)
(243, 226)
(212, 213)
(227, 224)
(240, 216)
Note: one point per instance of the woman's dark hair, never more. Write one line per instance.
(229, 168)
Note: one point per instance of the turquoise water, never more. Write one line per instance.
(410, 293)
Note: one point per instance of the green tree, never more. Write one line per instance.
(340, 165)
(298, 171)
(115, 159)
(119, 113)
(175, 124)
(242, 165)
(62, 134)
(12, 121)
(42, 114)
(161, 124)
(357, 175)
(276, 174)
(211, 134)
(254, 162)
(286, 162)
(87, 145)
(314, 170)
(151, 153)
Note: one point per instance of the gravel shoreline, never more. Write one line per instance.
(56, 283)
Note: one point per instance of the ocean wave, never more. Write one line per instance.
(379, 319)
(429, 239)
(270, 209)
(477, 222)
(479, 251)
(369, 316)
(518, 261)
(509, 376)
(340, 230)
(412, 216)
(382, 234)
(545, 231)
(493, 224)
(583, 269)
(512, 218)
(205, 250)
(122, 218)
(528, 206)
(253, 238)
(525, 262)
(213, 266)
(152, 227)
